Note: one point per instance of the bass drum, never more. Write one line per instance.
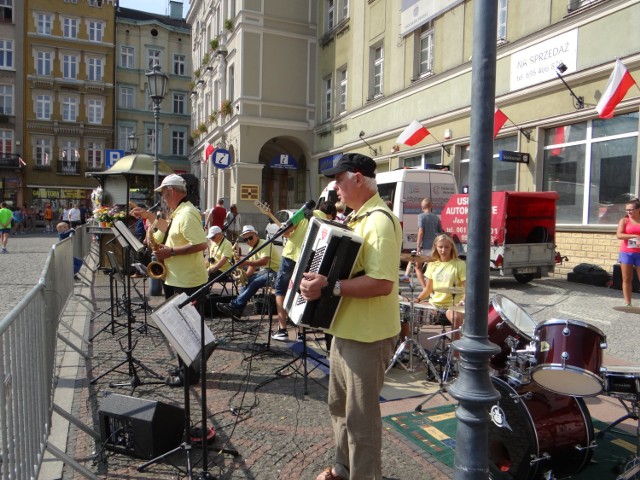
(533, 431)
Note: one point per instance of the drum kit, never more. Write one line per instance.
(540, 427)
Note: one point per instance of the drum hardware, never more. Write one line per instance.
(450, 290)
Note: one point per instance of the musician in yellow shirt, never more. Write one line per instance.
(266, 260)
(366, 325)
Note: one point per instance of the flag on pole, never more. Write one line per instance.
(619, 84)
(46, 159)
(413, 134)
(499, 119)
(207, 153)
(22, 162)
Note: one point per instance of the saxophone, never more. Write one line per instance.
(155, 269)
(239, 275)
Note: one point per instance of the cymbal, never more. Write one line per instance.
(420, 306)
(407, 257)
(457, 308)
(627, 309)
(451, 290)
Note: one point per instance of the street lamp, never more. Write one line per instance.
(132, 143)
(157, 90)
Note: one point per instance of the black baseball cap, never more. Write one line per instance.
(353, 162)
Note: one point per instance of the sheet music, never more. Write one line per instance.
(182, 327)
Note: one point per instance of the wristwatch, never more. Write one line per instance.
(337, 290)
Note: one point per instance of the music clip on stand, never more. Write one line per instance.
(128, 241)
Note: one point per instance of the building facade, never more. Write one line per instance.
(11, 102)
(144, 40)
(381, 67)
(68, 98)
(253, 101)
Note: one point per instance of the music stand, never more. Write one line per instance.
(128, 242)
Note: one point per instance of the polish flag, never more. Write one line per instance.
(207, 153)
(499, 119)
(413, 134)
(22, 162)
(620, 82)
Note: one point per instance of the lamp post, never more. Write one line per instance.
(157, 90)
(132, 144)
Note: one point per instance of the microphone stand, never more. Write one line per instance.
(203, 389)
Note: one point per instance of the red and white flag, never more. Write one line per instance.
(207, 153)
(499, 119)
(413, 134)
(619, 84)
(22, 162)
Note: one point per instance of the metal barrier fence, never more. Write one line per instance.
(28, 337)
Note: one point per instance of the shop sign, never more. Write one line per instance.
(285, 161)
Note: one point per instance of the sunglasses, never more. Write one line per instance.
(250, 237)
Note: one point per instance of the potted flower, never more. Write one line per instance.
(214, 44)
(226, 108)
(228, 24)
(213, 118)
(103, 216)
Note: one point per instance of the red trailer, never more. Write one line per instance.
(523, 228)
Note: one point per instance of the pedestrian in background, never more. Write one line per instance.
(429, 227)
(6, 217)
(47, 215)
(628, 233)
(232, 223)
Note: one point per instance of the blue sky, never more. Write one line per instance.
(153, 6)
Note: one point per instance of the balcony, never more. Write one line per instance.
(68, 167)
(9, 160)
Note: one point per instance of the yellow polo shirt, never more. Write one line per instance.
(269, 251)
(216, 252)
(294, 243)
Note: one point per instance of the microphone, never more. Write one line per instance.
(155, 207)
(297, 217)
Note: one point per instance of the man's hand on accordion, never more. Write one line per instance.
(311, 285)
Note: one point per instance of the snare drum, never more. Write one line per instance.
(568, 357)
(508, 321)
(622, 381)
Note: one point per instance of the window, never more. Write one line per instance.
(178, 143)
(42, 151)
(70, 27)
(126, 97)
(124, 132)
(331, 15)
(43, 64)
(179, 102)
(95, 3)
(502, 20)
(43, 107)
(6, 143)
(150, 140)
(377, 71)
(425, 52)
(6, 53)
(179, 62)
(6, 10)
(69, 156)
(593, 166)
(126, 57)
(43, 23)
(96, 31)
(94, 155)
(69, 109)
(232, 80)
(345, 9)
(326, 103)
(6, 99)
(95, 69)
(342, 77)
(94, 111)
(154, 58)
(70, 66)
(504, 173)
(423, 160)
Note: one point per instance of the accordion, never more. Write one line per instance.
(329, 249)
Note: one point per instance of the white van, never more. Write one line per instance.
(405, 188)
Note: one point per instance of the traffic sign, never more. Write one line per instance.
(221, 158)
(112, 156)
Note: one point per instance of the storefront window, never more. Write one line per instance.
(503, 175)
(593, 166)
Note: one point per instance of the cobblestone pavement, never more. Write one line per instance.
(278, 430)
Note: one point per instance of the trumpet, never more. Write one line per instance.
(155, 269)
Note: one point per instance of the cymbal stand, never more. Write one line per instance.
(443, 380)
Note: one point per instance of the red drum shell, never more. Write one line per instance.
(568, 357)
(545, 423)
(507, 319)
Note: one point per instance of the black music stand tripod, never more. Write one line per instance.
(128, 242)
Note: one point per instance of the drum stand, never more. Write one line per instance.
(632, 467)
